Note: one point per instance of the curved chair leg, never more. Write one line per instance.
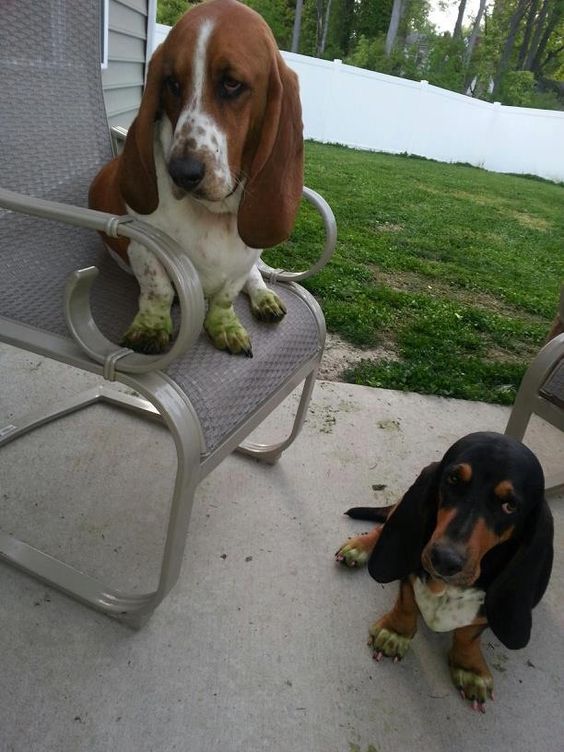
(520, 416)
(133, 609)
(271, 453)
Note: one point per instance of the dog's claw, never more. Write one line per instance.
(387, 642)
(267, 306)
(351, 554)
(474, 687)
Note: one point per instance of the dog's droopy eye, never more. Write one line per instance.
(230, 87)
(173, 86)
(453, 478)
(508, 507)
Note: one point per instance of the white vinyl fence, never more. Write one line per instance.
(367, 110)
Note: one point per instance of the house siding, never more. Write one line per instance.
(124, 77)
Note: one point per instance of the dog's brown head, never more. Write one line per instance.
(478, 517)
(230, 122)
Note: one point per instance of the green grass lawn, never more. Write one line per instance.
(453, 269)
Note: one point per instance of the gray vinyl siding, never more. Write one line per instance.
(127, 44)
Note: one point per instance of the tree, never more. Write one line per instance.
(474, 34)
(514, 23)
(297, 25)
(460, 18)
(397, 12)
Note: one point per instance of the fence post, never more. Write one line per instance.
(490, 140)
(418, 108)
(330, 102)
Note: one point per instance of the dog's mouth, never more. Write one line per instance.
(200, 194)
(456, 580)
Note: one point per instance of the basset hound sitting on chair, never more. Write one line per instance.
(471, 543)
(214, 158)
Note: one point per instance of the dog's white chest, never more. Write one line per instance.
(454, 607)
(209, 238)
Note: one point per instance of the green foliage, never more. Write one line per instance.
(279, 16)
(169, 11)
(518, 88)
(370, 53)
(444, 66)
(452, 269)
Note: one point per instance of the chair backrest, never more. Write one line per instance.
(54, 138)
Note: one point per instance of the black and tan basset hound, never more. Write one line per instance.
(471, 543)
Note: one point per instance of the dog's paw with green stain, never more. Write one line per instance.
(149, 333)
(387, 642)
(353, 553)
(473, 686)
(226, 331)
(267, 306)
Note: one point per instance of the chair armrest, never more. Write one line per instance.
(118, 135)
(77, 294)
(330, 241)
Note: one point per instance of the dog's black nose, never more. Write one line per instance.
(187, 172)
(446, 561)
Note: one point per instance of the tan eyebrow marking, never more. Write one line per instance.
(465, 472)
(504, 489)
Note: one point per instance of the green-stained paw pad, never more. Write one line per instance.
(148, 334)
(351, 554)
(387, 642)
(226, 331)
(267, 306)
(472, 686)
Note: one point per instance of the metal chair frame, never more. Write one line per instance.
(530, 399)
(161, 399)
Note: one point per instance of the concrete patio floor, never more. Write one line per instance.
(262, 643)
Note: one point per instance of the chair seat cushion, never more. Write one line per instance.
(226, 388)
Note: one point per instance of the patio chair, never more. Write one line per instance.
(542, 392)
(61, 295)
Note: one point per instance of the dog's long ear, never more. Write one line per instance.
(137, 175)
(520, 585)
(398, 551)
(274, 186)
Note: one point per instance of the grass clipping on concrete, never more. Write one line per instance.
(453, 271)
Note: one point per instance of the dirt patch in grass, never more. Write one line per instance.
(340, 355)
(465, 196)
(440, 288)
(527, 352)
(386, 227)
(530, 222)
(525, 219)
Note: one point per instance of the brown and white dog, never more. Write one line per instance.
(214, 158)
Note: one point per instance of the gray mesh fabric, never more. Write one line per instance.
(553, 387)
(53, 140)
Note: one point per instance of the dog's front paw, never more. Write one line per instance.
(267, 306)
(149, 333)
(356, 551)
(387, 642)
(474, 686)
(226, 331)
